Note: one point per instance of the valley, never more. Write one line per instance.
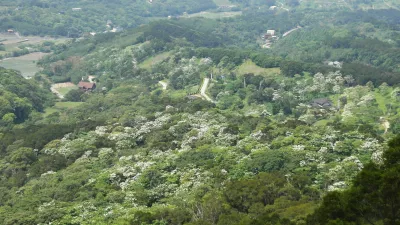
(224, 112)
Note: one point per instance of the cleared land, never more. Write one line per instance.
(215, 15)
(65, 90)
(148, 63)
(62, 89)
(14, 39)
(61, 107)
(250, 67)
(12, 42)
(26, 63)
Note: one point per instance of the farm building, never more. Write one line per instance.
(86, 86)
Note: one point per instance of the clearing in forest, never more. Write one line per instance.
(61, 89)
(250, 67)
(61, 107)
(148, 63)
(26, 63)
(216, 15)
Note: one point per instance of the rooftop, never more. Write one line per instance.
(86, 85)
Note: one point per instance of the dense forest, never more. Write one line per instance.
(192, 121)
(73, 18)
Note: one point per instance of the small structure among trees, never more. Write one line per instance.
(86, 86)
(321, 103)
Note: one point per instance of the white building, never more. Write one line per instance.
(271, 32)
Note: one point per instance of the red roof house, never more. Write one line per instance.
(86, 86)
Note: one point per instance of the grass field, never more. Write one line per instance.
(67, 105)
(61, 106)
(12, 42)
(148, 63)
(382, 101)
(250, 67)
(215, 15)
(64, 90)
(13, 39)
(26, 64)
(27, 67)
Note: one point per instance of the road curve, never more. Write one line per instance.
(203, 89)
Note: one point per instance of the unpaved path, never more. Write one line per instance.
(290, 31)
(55, 91)
(17, 34)
(54, 88)
(203, 89)
(390, 6)
(163, 84)
(385, 124)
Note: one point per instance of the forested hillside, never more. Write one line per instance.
(76, 18)
(193, 121)
(73, 18)
(20, 97)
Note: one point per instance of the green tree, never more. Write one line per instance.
(74, 96)
(374, 197)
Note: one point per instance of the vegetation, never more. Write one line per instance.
(73, 18)
(20, 97)
(192, 122)
(376, 187)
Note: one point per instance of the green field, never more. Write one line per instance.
(13, 43)
(28, 68)
(26, 63)
(215, 15)
(382, 102)
(61, 106)
(148, 63)
(250, 67)
(64, 90)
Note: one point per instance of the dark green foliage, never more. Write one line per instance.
(35, 136)
(19, 97)
(264, 189)
(373, 198)
(13, 82)
(93, 15)
(166, 31)
(268, 161)
(74, 96)
(363, 74)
